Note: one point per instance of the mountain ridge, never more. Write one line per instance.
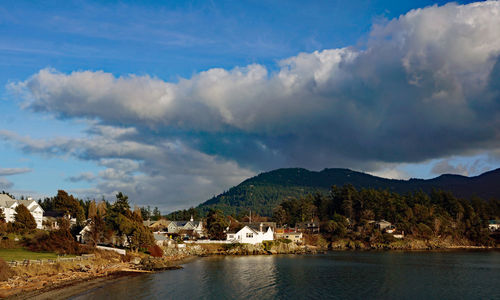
(266, 190)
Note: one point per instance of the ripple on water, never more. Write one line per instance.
(337, 275)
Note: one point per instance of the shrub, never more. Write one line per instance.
(5, 271)
(268, 245)
(230, 246)
(155, 251)
(59, 241)
(6, 243)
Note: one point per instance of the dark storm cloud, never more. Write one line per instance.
(425, 85)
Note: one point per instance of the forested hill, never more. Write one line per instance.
(267, 190)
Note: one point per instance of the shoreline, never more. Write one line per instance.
(77, 287)
(68, 289)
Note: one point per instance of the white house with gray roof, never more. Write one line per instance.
(251, 234)
(8, 205)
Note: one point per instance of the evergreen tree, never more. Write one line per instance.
(156, 214)
(216, 225)
(23, 219)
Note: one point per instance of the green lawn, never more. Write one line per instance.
(21, 254)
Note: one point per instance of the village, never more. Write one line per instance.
(178, 234)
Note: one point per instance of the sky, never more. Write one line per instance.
(173, 102)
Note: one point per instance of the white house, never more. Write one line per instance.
(494, 225)
(8, 205)
(249, 235)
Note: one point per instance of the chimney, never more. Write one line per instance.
(260, 227)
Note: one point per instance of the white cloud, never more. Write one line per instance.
(424, 86)
(13, 171)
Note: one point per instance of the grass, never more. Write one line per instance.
(22, 254)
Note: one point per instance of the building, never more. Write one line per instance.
(493, 225)
(251, 235)
(383, 224)
(287, 234)
(161, 240)
(8, 205)
(311, 226)
(179, 227)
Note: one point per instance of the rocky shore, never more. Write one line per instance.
(63, 280)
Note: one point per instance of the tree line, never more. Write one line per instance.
(439, 213)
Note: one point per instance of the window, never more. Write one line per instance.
(249, 235)
(231, 236)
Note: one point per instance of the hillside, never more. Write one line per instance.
(265, 191)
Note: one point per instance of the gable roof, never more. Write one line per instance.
(7, 201)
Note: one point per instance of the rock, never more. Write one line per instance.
(135, 260)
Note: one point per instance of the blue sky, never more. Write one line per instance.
(201, 48)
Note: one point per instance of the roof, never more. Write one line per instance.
(383, 221)
(183, 223)
(492, 222)
(160, 237)
(254, 229)
(7, 201)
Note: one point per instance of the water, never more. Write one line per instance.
(336, 275)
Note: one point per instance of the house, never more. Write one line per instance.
(294, 236)
(257, 224)
(383, 224)
(50, 219)
(8, 205)
(158, 225)
(251, 235)
(179, 227)
(311, 226)
(494, 225)
(161, 240)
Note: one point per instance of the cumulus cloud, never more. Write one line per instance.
(423, 86)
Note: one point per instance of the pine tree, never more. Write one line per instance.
(23, 219)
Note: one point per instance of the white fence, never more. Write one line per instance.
(208, 242)
(119, 251)
(28, 262)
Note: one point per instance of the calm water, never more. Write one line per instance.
(336, 275)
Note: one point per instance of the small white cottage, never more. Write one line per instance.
(251, 235)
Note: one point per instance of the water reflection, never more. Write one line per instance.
(337, 275)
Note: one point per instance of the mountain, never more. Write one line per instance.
(267, 190)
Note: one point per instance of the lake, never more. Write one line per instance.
(335, 275)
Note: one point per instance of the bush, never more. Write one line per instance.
(268, 245)
(230, 246)
(6, 243)
(155, 251)
(59, 241)
(5, 271)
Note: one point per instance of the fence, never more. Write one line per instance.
(28, 262)
(119, 251)
(209, 242)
